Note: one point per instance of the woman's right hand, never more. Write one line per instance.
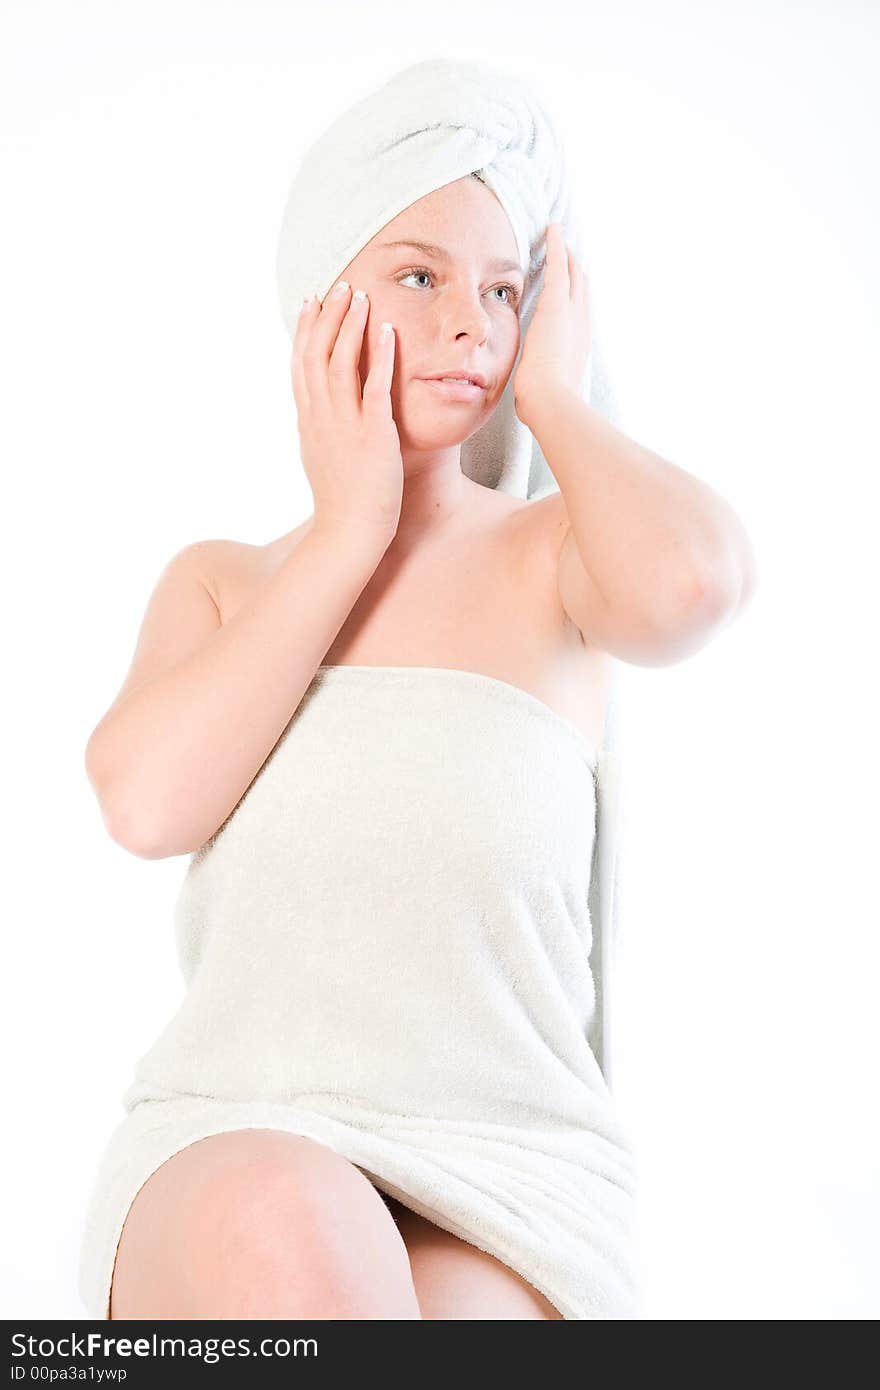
(348, 440)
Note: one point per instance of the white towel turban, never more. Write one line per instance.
(430, 124)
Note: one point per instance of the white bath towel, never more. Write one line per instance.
(428, 125)
(386, 948)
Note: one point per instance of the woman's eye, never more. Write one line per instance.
(512, 292)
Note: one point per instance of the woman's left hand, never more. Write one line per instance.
(559, 337)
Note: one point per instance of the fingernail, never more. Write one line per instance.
(340, 288)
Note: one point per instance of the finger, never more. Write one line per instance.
(377, 387)
(307, 315)
(343, 373)
(556, 268)
(320, 343)
(575, 274)
(564, 259)
(550, 253)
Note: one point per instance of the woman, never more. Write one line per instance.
(377, 737)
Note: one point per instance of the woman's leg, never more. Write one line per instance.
(455, 1280)
(258, 1223)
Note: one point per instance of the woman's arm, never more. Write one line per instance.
(653, 545)
(205, 704)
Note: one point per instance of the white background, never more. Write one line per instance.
(730, 157)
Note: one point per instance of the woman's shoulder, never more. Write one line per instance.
(227, 566)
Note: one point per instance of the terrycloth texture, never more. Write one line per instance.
(386, 948)
(428, 125)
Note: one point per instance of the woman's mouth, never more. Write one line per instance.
(452, 390)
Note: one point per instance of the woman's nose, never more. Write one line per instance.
(468, 315)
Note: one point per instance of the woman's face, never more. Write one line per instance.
(454, 312)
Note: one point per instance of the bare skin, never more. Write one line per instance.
(259, 1223)
(480, 595)
(262, 1224)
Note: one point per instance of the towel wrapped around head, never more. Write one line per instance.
(430, 124)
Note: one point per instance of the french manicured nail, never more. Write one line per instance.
(340, 288)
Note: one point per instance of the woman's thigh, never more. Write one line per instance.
(259, 1223)
(456, 1280)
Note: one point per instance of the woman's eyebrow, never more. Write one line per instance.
(441, 254)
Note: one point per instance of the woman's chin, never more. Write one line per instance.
(427, 441)
(419, 430)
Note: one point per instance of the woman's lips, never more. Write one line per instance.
(454, 390)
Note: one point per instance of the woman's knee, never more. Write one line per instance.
(261, 1224)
